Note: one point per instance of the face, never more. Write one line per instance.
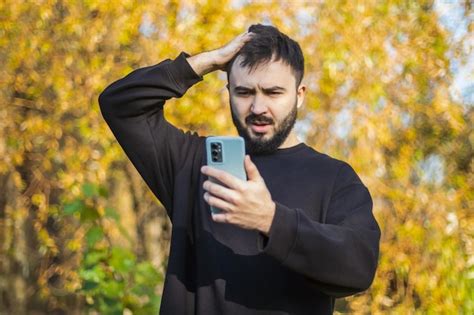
(264, 105)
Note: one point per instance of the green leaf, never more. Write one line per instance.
(89, 214)
(93, 257)
(149, 308)
(89, 285)
(111, 213)
(113, 289)
(90, 190)
(122, 260)
(110, 306)
(147, 274)
(142, 290)
(96, 274)
(103, 192)
(73, 207)
(94, 234)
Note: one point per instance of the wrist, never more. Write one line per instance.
(267, 222)
(202, 63)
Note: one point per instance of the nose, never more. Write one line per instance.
(258, 106)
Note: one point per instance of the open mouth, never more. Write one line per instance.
(260, 127)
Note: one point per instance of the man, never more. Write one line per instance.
(296, 235)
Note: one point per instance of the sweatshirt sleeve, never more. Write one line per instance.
(340, 256)
(133, 109)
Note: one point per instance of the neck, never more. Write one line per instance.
(290, 141)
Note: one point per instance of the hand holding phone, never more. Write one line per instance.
(226, 153)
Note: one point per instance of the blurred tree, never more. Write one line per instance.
(378, 79)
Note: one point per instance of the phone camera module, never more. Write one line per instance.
(216, 151)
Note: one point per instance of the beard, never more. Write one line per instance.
(256, 144)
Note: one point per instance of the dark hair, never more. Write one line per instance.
(269, 42)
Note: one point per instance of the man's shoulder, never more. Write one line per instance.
(322, 158)
(332, 166)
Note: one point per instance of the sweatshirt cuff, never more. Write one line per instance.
(182, 73)
(282, 234)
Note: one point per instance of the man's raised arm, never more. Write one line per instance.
(133, 108)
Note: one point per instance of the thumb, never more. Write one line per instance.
(251, 169)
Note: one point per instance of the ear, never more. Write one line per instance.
(300, 94)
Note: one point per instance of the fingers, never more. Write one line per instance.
(240, 40)
(221, 217)
(251, 168)
(218, 203)
(247, 36)
(248, 33)
(220, 191)
(227, 52)
(238, 43)
(227, 179)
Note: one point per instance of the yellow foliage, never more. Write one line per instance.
(383, 61)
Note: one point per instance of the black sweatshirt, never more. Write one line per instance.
(323, 242)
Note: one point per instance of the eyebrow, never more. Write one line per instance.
(245, 89)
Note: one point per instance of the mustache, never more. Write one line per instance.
(258, 119)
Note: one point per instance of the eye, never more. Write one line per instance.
(243, 93)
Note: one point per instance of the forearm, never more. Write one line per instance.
(146, 89)
(202, 63)
(340, 259)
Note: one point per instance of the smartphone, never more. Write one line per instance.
(226, 153)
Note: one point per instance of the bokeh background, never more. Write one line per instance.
(391, 91)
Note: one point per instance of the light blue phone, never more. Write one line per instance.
(226, 153)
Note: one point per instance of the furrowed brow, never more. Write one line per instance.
(243, 89)
(271, 89)
(275, 88)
